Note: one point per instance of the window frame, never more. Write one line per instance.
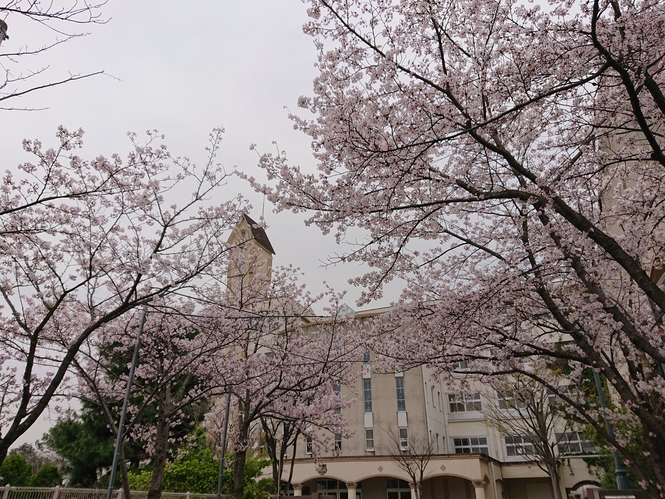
(464, 402)
(461, 367)
(403, 435)
(474, 448)
(337, 388)
(521, 447)
(397, 489)
(367, 394)
(369, 439)
(337, 449)
(399, 390)
(506, 401)
(563, 442)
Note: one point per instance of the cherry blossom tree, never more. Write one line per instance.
(60, 21)
(83, 242)
(285, 360)
(279, 437)
(173, 383)
(505, 158)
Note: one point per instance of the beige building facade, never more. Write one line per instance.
(417, 413)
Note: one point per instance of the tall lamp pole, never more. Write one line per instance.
(123, 414)
(225, 428)
(619, 470)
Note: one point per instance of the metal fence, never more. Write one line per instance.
(9, 492)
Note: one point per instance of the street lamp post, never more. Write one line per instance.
(123, 414)
(619, 470)
(220, 477)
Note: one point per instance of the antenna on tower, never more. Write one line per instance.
(263, 206)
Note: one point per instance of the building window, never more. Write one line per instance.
(398, 489)
(574, 442)
(367, 393)
(433, 399)
(470, 445)
(308, 445)
(369, 439)
(338, 443)
(333, 488)
(464, 402)
(399, 385)
(337, 389)
(553, 398)
(403, 439)
(366, 358)
(518, 445)
(508, 401)
(462, 365)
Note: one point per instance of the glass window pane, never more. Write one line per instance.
(468, 445)
(367, 394)
(399, 385)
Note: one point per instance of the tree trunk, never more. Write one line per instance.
(122, 464)
(241, 447)
(282, 457)
(161, 448)
(275, 465)
(292, 466)
(4, 448)
(657, 457)
(553, 471)
(239, 473)
(271, 448)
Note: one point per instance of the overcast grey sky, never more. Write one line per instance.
(183, 68)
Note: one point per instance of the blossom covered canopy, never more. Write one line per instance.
(506, 159)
